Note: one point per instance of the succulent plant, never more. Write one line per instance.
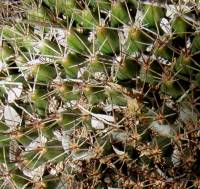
(99, 94)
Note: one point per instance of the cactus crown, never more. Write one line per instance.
(99, 94)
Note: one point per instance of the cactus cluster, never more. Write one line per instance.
(99, 94)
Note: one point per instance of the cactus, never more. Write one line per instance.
(99, 94)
